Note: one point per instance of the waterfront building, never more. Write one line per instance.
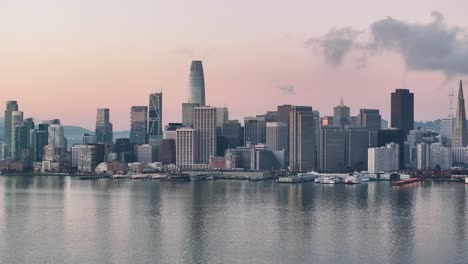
(460, 136)
(11, 106)
(332, 149)
(396, 136)
(441, 156)
(302, 139)
(86, 157)
(167, 151)
(138, 125)
(383, 159)
(370, 119)
(254, 131)
(276, 135)
(423, 154)
(187, 153)
(204, 121)
(402, 110)
(341, 115)
(356, 145)
(196, 84)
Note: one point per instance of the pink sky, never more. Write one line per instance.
(64, 59)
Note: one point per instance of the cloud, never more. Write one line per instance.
(287, 89)
(431, 46)
(336, 44)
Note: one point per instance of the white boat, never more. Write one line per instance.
(356, 178)
(119, 176)
(328, 180)
(138, 176)
(318, 180)
(466, 180)
(159, 176)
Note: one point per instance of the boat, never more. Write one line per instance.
(119, 176)
(328, 180)
(466, 180)
(138, 176)
(356, 178)
(318, 180)
(158, 176)
(177, 177)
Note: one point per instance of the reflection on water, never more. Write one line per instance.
(65, 220)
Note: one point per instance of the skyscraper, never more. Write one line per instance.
(187, 113)
(196, 84)
(276, 135)
(204, 121)
(155, 115)
(138, 124)
(16, 120)
(187, 148)
(302, 139)
(402, 112)
(255, 130)
(232, 132)
(10, 107)
(370, 119)
(341, 115)
(103, 131)
(57, 137)
(459, 138)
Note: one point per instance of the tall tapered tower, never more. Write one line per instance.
(196, 84)
(459, 138)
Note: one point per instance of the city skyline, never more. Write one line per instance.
(147, 55)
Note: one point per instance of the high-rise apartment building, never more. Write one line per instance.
(196, 84)
(402, 110)
(204, 121)
(138, 125)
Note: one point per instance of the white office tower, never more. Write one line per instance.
(383, 159)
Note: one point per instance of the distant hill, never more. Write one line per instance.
(75, 132)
